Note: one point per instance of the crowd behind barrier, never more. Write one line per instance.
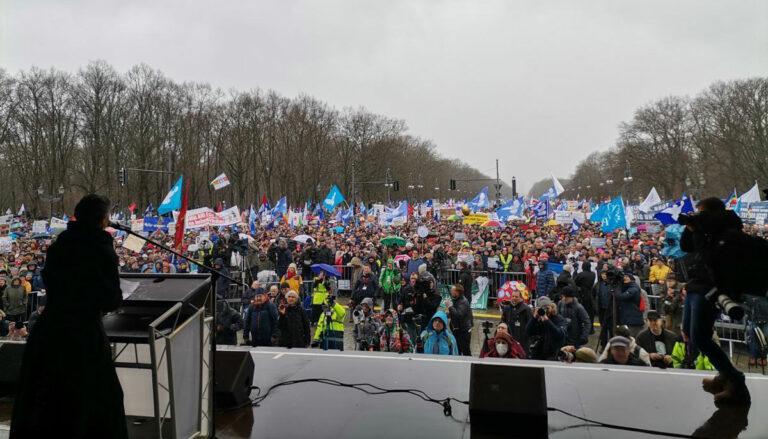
(269, 254)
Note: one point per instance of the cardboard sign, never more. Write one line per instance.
(40, 227)
(597, 242)
(58, 224)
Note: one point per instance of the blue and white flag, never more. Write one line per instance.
(599, 213)
(252, 217)
(333, 199)
(541, 209)
(670, 214)
(480, 201)
(172, 200)
(512, 208)
(149, 209)
(575, 226)
(362, 209)
(396, 215)
(347, 215)
(281, 208)
(615, 216)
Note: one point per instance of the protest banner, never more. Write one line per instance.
(6, 244)
(564, 217)
(475, 218)
(40, 227)
(58, 223)
(597, 242)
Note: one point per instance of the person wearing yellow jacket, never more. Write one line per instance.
(659, 272)
(330, 336)
(319, 295)
(684, 356)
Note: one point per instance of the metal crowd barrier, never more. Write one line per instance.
(495, 278)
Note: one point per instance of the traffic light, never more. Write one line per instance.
(395, 185)
(453, 185)
(121, 176)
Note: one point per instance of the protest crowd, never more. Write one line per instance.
(413, 279)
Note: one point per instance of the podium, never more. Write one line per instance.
(162, 341)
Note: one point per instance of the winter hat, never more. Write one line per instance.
(585, 355)
(367, 301)
(619, 341)
(292, 265)
(422, 268)
(570, 291)
(543, 301)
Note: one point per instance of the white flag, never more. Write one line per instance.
(220, 182)
(557, 186)
(751, 196)
(651, 200)
(21, 210)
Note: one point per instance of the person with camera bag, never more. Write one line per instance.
(722, 264)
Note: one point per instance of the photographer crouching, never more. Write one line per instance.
(712, 237)
(547, 331)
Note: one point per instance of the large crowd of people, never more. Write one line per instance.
(415, 295)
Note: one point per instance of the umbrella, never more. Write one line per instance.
(454, 217)
(328, 269)
(492, 223)
(399, 258)
(393, 240)
(505, 292)
(303, 238)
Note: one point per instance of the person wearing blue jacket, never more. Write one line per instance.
(545, 280)
(261, 321)
(437, 338)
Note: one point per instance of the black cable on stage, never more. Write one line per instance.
(445, 403)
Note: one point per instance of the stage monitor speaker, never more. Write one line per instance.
(234, 378)
(507, 401)
(10, 367)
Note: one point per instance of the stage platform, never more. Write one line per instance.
(665, 400)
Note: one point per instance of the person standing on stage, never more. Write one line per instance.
(68, 385)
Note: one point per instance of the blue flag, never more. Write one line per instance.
(333, 199)
(615, 217)
(149, 209)
(511, 208)
(669, 214)
(252, 216)
(599, 213)
(575, 226)
(481, 200)
(172, 200)
(281, 207)
(541, 209)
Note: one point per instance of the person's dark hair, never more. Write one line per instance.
(711, 204)
(459, 288)
(91, 209)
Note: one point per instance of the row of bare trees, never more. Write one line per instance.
(706, 145)
(75, 131)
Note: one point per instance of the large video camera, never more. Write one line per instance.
(614, 276)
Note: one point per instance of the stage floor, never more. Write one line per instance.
(670, 401)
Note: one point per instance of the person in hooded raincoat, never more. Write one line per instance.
(437, 338)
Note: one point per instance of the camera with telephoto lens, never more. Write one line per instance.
(541, 312)
(688, 218)
(730, 307)
(358, 315)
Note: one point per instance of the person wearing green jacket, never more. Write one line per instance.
(15, 301)
(685, 356)
(330, 336)
(389, 281)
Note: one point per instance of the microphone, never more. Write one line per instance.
(118, 226)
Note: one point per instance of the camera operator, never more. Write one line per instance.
(329, 333)
(365, 287)
(701, 237)
(367, 326)
(516, 314)
(460, 318)
(320, 292)
(549, 330)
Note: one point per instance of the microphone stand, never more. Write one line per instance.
(215, 274)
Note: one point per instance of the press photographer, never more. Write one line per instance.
(723, 264)
(547, 331)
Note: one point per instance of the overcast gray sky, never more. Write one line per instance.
(538, 85)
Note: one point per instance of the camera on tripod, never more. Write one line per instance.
(487, 327)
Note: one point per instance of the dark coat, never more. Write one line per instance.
(294, 328)
(365, 289)
(68, 383)
(628, 304)
(261, 324)
(517, 318)
(545, 282)
(460, 314)
(551, 337)
(585, 281)
(465, 279)
(231, 322)
(579, 325)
